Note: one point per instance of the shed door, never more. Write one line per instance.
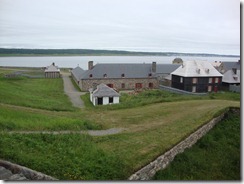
(99, 101)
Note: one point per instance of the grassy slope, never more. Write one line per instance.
(142, 141)
(150, 129)
(37, 93)
(215, 157)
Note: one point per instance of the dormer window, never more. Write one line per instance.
(122, 75)
(105, 75)
(150, 75)
(90, 75)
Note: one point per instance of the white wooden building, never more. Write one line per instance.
(104, 95)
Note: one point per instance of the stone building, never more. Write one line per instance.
(52, 71)
(231, 73)
(122, 76)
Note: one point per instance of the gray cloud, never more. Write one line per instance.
(149, 25)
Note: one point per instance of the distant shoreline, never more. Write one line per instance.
(89, 52)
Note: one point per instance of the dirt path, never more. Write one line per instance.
(110, 131)
(72, 92)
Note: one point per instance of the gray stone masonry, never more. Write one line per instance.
(10, 171)
(147, 172)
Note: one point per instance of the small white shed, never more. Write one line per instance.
(104, 95)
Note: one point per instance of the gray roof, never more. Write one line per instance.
(196, 69)
(230, 65)
(167, 68)
(130, 70)
(105, 91)
(52, 68)
(230, 77)
(116, 71)
(77, 72)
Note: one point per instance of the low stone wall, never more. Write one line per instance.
(28, 173)
(162, 161)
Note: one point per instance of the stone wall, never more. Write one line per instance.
(162, 161)
(129, 84)
(26, 172)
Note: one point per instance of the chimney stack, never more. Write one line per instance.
(154, 66)
(90, 65)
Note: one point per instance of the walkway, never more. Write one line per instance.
(110, 131)
(72, 92)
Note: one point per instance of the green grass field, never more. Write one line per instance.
(214, 157)
(35, 93)
(153, 122)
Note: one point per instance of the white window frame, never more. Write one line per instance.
(210, 80)
(181, 79)
(194, 80)
(216, 80)
(209, 88)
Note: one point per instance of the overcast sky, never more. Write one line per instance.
(198, 26)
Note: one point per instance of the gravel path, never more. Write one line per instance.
(110, 131)
(72, 92)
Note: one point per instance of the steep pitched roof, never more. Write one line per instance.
(105, 91)
(77, 72)
(230, 77)
(117, 70)
(230, 65)
(166, 68)
(196, 69)
(52, 68)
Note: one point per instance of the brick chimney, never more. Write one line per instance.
(90, 65)
(154, 66)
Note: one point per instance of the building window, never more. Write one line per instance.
(105, 75)
(193, 89)
(181, 80)
(90, 75)
(150, 85)
(110, 85)
(234, 70)
(210, 80)
(216, 80)
(122, 75)
(123, 85)
(111, 100)
(138, 85)
(209, 88)
(194, 80)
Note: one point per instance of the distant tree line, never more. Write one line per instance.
(90, 52)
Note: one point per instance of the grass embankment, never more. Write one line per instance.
(156, 96)
(216, 156)
(36, 93)
(151, 128)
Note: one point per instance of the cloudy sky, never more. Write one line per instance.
(198, 26)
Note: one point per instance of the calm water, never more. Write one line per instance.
(73, 61)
